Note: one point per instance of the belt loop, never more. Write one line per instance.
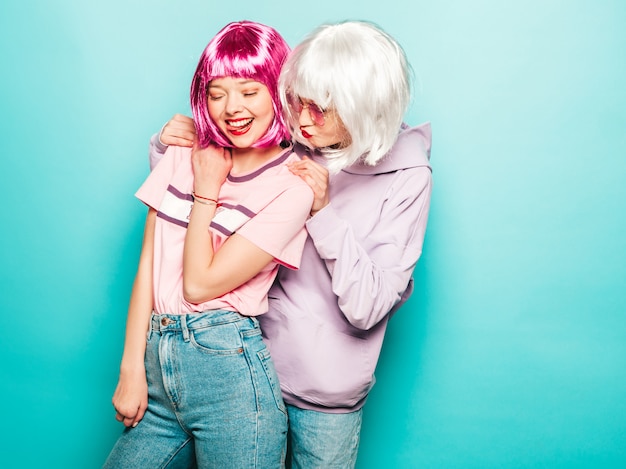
(183, 326)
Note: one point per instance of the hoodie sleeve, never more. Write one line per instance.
(157, 150)
(372, 276)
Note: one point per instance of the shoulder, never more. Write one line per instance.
(294, 187)
(411, 150)
(413, 145)
(276, 181)
(172, 158)
(289, 181)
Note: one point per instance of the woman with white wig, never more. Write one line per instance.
(346, 89)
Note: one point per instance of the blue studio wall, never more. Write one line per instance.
(511, 353)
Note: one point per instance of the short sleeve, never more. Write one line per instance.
(278, 229)
(154, 187)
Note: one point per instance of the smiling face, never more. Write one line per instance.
(241, 108)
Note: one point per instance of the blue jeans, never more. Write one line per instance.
(321, 440)
(213, 398)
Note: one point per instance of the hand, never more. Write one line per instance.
(180, 130)
(211, 166)
(130, 399)
(316, 176)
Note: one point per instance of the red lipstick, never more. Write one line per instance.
(235, 127)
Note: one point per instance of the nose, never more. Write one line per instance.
(234, 104)
(304, 118)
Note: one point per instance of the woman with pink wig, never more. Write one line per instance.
(196, 384)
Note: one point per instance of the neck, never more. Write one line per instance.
(246, 160)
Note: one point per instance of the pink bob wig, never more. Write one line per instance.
(242, 49)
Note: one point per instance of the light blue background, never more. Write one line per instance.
(512, 353)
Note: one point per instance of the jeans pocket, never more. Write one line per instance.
(272, 377)
(223, 339)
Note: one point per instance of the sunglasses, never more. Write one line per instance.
(316, 112)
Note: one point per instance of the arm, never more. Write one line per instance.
(370, 281)
(179, 130)
(206, 274)
(131, 395)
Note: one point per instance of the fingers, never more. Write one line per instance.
(130, 399)
(211, 166)
(140, 413)
(130, 407)
(311, 166)
(175, 136)
(127, 420)
(177, 141)
(132, 418)
(180, 130)
(186, 120)
(133, 421)
(316, 175)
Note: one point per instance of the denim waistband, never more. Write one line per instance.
(185, 322)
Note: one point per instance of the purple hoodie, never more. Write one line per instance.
(326, 321)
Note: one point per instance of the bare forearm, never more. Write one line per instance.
(211, 166)
(137, 325)
(208, 275)
(198, 252)
(131, 395)
(141, 303)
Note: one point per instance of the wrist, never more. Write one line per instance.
(205, 200)
(205, 193)
(316, 210)
(132, 369)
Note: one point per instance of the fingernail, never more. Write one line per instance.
(135, 424)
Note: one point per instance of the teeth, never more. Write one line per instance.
(239, 123)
